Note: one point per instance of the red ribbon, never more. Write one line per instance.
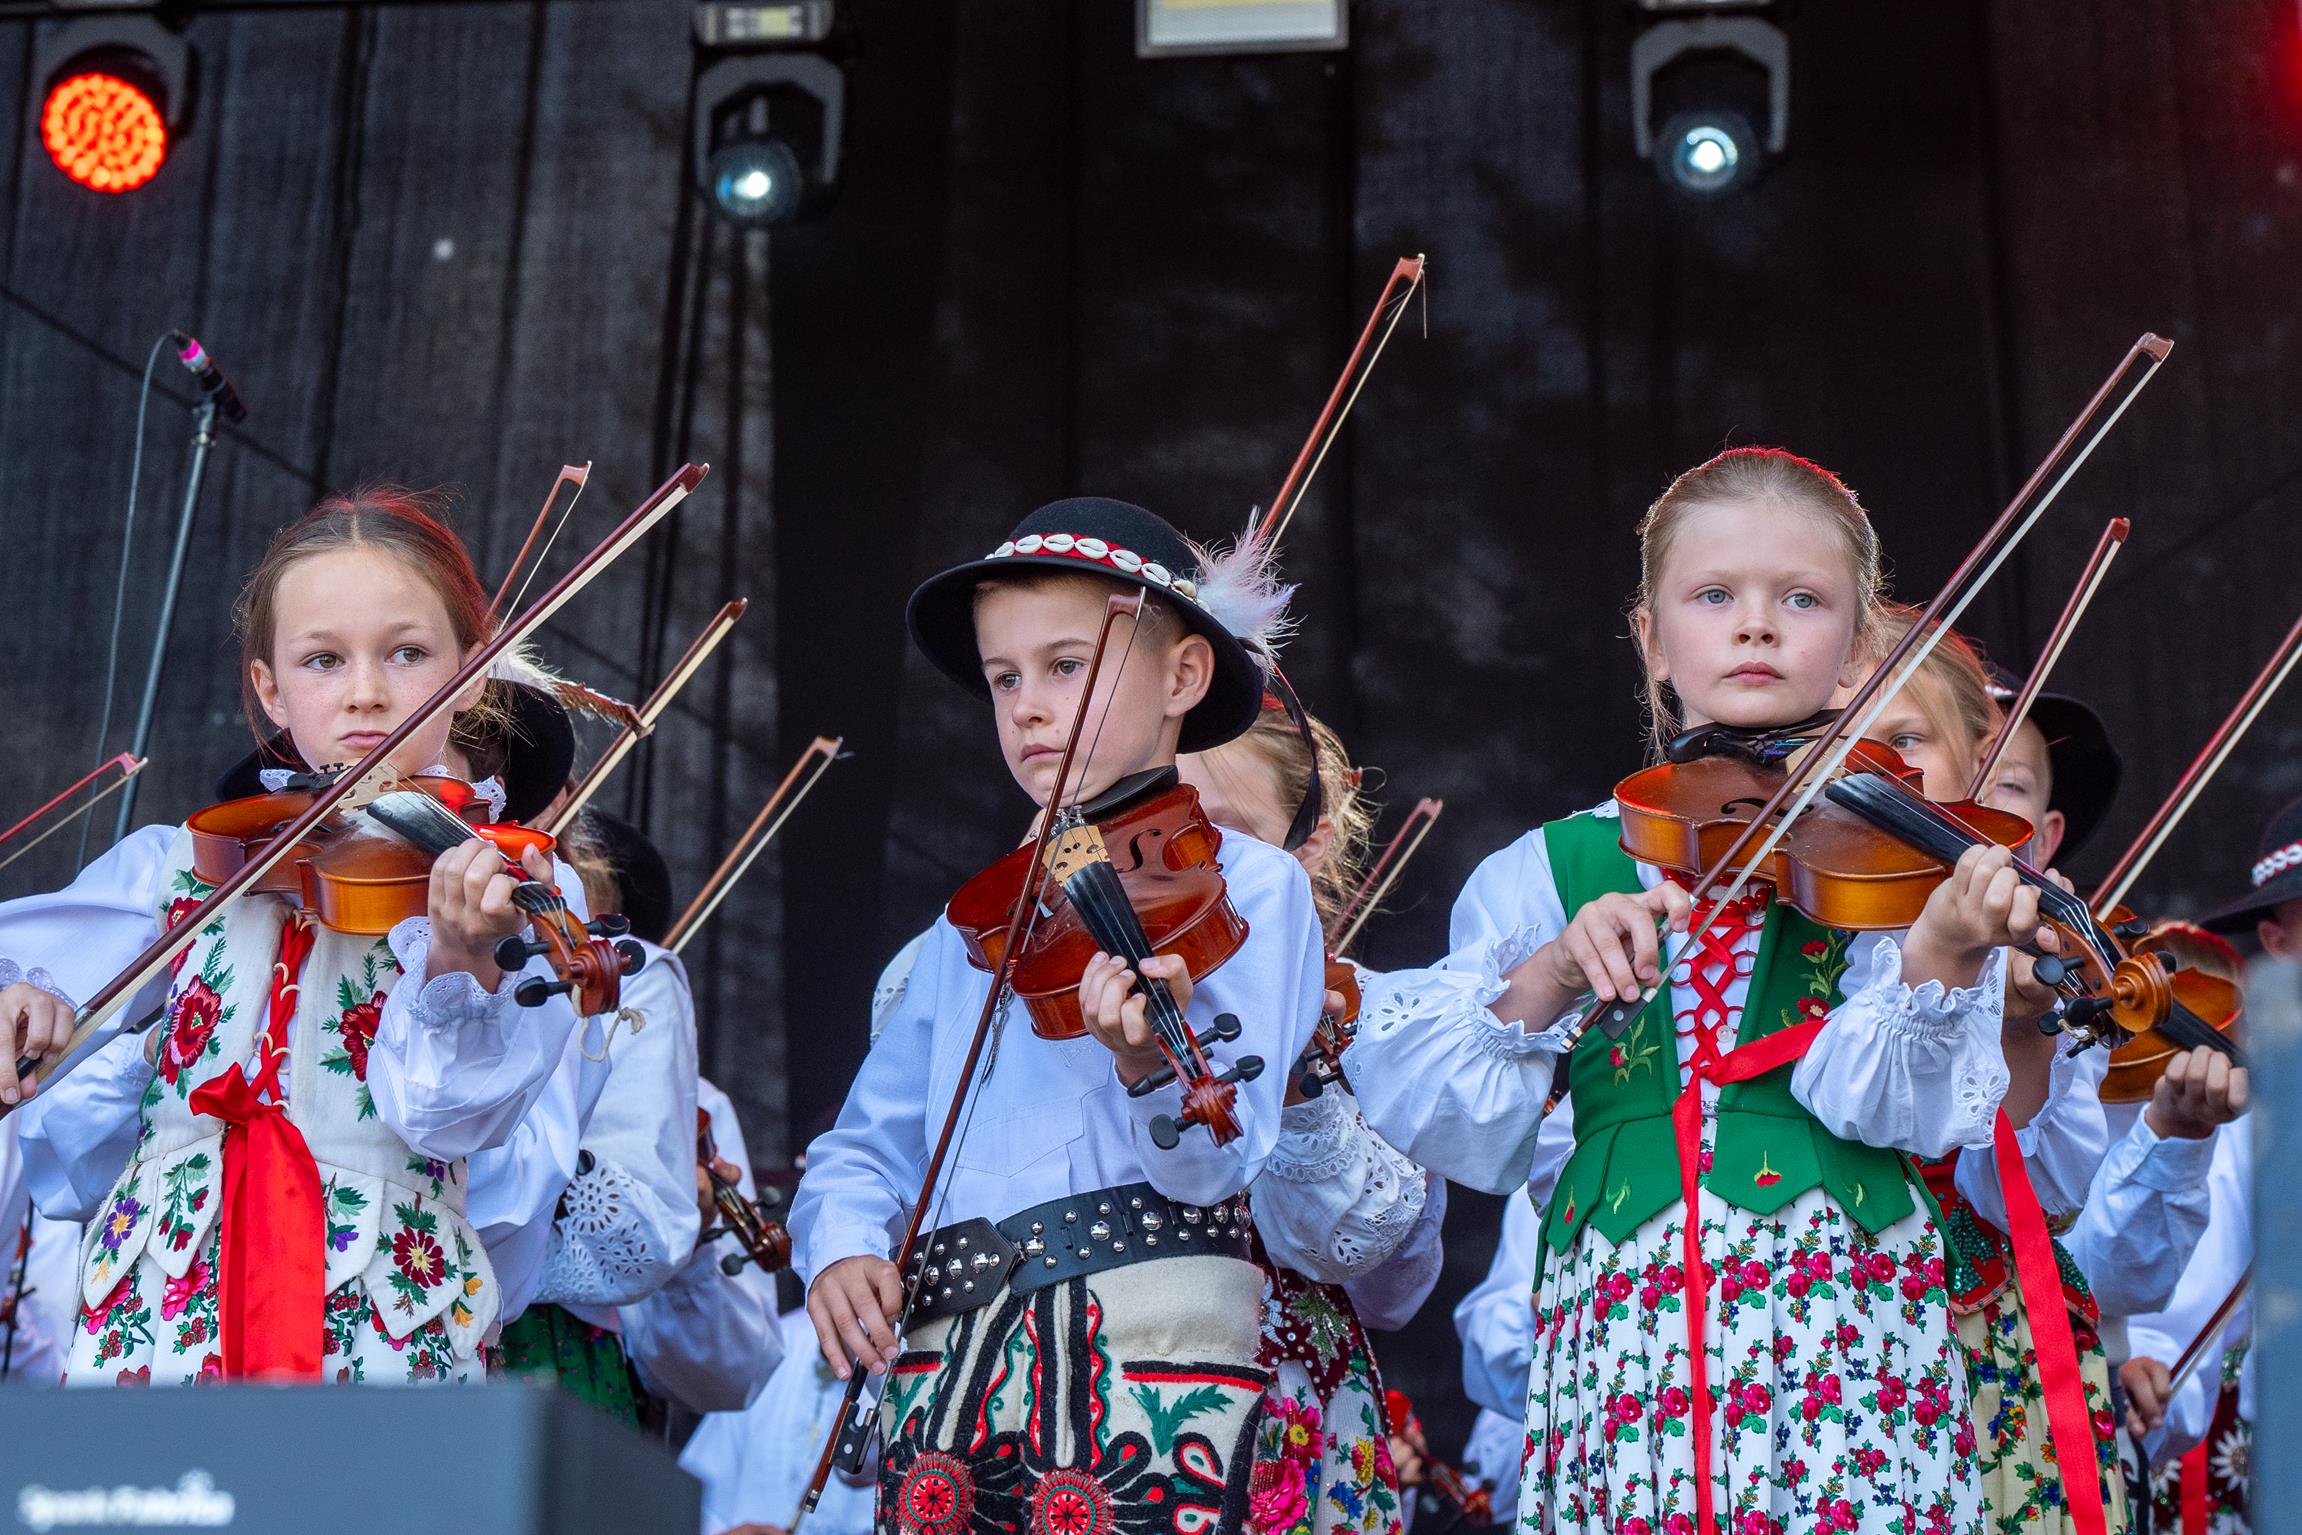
(2194, 1490)
(271, 1240)
(1738, 1065)
(2039, 1279)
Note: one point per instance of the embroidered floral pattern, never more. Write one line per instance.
(359, 1006)
(1840, 1393)
(191, 1032)
(419, 1264)
(1322, 1459)
(184, 1193)
(119, 1323)
(340, 1206)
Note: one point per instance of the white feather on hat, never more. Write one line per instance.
(1239, 587)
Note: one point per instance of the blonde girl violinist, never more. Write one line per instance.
(1348, 1226)
(1814, 1063)
(1942, 723)
(274, 1176)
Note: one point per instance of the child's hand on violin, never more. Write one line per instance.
(471, 907)
(854, 1304)
(2198, 1092)
(1611, 948)
(1982, 905)
(1119, 1014)
(34, 1024)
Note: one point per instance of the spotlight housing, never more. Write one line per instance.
(767, 130)
(1709, 145)
(113, 92)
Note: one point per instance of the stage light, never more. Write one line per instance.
(1707, 153)
(767, 131)
(112, 94)
(1701, 68)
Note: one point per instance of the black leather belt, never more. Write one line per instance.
(969, 1264)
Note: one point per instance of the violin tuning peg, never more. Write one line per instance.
(611, 924)
(1151, 1082)
(2132, 930)
(1310, 1084)
(2050, 1022)
(1224, 1028)
(1249, 1068)
(732, 1264)
(2052, 970)
(1164, 1135)
(535, 991)
(634, 957)
(770, 1198)
(514, 952)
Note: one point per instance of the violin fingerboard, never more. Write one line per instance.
(420, 820)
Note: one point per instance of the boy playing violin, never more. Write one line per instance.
(1079, 1348)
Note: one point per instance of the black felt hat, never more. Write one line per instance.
(1123, 543)
(2276, 876)
(531, 750)
(640, 873)
(2086, 767)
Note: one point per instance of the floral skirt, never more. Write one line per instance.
(1323, 1454)
(152, 1330)
(1840, 1391)
(2021, 1485)
(547, 1342)
(2215, 1474)
(1123, 1403)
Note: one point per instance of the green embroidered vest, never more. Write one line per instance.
(1768, 1149)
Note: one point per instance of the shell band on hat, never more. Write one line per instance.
(1094, 551)
(2277, 862)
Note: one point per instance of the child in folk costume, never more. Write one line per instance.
(1094, 1365)
(628, 1221)
(1941, 723)
(1782, 1077)
(624, 1262)
(1350, 1227)
(296, 1129)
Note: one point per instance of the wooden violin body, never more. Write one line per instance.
(1162, 848)
(1321, 1064)
(350, 880)
(1835, 867)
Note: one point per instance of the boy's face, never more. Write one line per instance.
(1036, 640)
(2023, 783)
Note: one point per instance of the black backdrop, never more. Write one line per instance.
(450, 243)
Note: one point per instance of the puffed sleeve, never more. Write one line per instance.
(1437, 1074)
(73, 941)
(454, 1066)
(863, 1172)
(1907, 1068)
(1388, 1296)
(708, 1339)
(2144, 1215)
(629, 1221)
(1496, 1321)
(515, 1188)
(1275, 986)
(2062, 1146)
(1334, 1202)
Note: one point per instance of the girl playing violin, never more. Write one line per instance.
(1784, 1072)
(324, 1088)
(1942, 722)
(1349, 1226)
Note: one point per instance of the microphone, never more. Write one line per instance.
(208, 376)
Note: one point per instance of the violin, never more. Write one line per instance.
(2138, 1061)
(1870, 851)
(1131, 875)
(1321, 1063)
(352, 881)
(763, 1239)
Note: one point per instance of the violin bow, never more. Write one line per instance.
(2195, 1354)
(372, 774)
(572, 478)
(1805, 779)
(2201, 771)
(640, 723)
(1389, 306)
(1404, 844)
(755, 838)
(129, 766)
(850, 1431)
(2081, 596)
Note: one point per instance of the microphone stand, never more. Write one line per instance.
(203, 434)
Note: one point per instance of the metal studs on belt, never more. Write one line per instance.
(982, 1261)
(1192, 1215)
(1136, 1203)
(1152, 1220)
(1100, 1231)
(934, 1275)
(1085, 1252)
(1033, 1246)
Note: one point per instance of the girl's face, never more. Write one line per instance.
(1908, 724)
(359, 641)
(1239, 787)
(1753, 617)
(1036, 641)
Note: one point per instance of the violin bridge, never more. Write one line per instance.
(1073, 850)
(381, 780)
